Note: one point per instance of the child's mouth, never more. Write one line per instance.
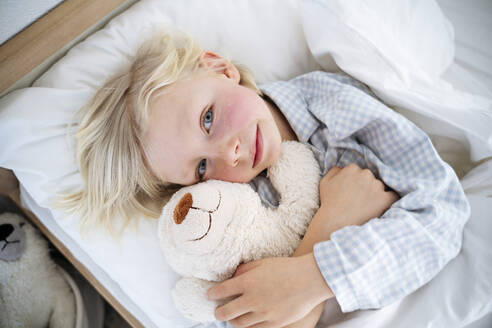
(258, 147)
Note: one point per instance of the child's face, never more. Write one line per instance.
(210, 127)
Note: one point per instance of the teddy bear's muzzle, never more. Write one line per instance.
(12, 241)
(182, 209)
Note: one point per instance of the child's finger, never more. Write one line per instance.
(232, 309)
(390, 198)
(245, 267)
(393, 196)
(227, 288)
(332, 172)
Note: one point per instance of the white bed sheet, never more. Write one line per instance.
(473, 40)
(153, 306)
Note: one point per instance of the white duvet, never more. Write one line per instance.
(277, 39)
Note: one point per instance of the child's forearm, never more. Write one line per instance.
(319, 229)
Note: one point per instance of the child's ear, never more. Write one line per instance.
(211, 60)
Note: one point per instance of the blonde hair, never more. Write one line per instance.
(109, 150)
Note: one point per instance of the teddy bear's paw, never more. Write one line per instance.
(190, 298)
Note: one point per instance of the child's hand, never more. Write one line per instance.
(353, 196)
(310, 320)
(272, 292)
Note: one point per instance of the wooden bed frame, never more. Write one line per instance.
(31, 52)
(24, 58)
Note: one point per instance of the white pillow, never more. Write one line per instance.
(400, 49)
(266, 36)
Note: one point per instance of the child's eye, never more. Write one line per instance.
(201, 169)
(208, 119)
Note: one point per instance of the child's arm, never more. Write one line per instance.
(375, 264)
(327, 220)
(348, 196)
(284, 290)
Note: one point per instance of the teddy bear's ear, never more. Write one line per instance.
(12, 239)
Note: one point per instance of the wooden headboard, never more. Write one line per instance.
(28, 55)
(32, 51)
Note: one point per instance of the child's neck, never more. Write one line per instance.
(286, 132)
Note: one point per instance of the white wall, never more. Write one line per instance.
(15, 15)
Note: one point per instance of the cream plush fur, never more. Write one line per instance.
(33, 292)
(207, 230)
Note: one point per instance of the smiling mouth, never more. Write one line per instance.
(258, 152)
(209, 217)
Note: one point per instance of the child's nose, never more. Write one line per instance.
(229, 152)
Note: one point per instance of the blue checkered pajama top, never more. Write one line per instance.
(372, 265)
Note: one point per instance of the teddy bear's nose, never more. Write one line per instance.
(182, 208)
(5, 231)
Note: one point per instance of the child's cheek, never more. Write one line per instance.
(233, 175)
(239, 111)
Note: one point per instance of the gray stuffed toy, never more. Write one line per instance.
(33, 291)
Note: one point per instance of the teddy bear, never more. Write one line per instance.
(33, 291)
(206, 230)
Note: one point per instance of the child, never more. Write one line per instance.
(182, 115)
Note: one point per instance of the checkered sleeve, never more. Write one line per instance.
(372, 265)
